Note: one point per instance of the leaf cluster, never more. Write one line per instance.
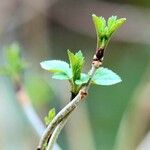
(14, 63)
(104, 29)
(73, 72)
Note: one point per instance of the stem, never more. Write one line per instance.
(58, 118)
(66, 111)
(58, 129)
(96, 63)
(56, 133)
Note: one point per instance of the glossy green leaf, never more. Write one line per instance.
(104, 76)
(76, 64)
(56, 66)
(84, 79)
(51, 115)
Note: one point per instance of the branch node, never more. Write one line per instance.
(83, 94)
(97, 63)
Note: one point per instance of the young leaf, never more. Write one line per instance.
(76, 63)
(104, 76)
(103, 30)
(111, 21)
(61, 76)
(116, 25)
(99, 24)
(84, 79)
(51, 115)
(56, 66)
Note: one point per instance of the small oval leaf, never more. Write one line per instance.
(104, 76)
(56, 66)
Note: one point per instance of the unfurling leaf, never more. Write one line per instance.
(104, 76)
(51, 115)
(58, 67)
(104, 29)
(84, 79)
(115, 25)
(76, 64)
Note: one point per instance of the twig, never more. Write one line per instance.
(60, 126)
(96, 63)
(59, 117)
(56, 133)
(67, 109)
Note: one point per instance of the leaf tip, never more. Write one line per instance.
(93, 15)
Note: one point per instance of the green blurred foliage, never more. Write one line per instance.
(15, 65)
(39, 90)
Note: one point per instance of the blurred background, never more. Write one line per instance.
(115, 116)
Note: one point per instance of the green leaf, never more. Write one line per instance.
(111, 21)
(116, 25)
(60, 76)
(104, 76)
(33, 83)
(99, 23)
(84, 79)
(57, 66)
(105, 30)
(51, 115)
(76, 63)
(100, 27)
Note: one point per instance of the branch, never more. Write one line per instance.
(68, 108)
(54, 127)
(56, 133)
